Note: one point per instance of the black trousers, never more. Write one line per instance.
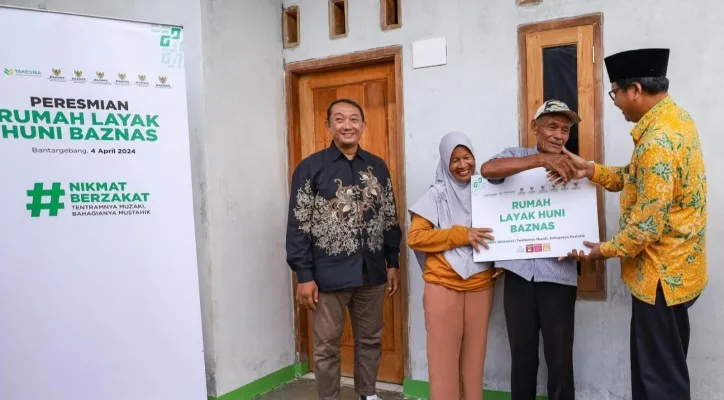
(549, 308)
(659, 346)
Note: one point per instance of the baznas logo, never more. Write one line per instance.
(174, 34)
(56, 71)
(78, 73)
(142, 78)
(9, 71)
(100, 75)
(121, 76)
(162, 79)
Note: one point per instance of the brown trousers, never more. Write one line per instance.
(457, 335)
(365, 308)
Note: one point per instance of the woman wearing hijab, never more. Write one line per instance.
(458, 291)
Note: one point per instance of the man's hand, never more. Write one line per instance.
(578, 255)
(558, 165)
(308, 295)
(580, 167)
(477, 236)
(393, 281)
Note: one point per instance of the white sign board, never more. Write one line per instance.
(99, 293)
(532, 218)
(429, 53)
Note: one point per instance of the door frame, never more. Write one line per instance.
(351, 60)
(591, 19)
(595, 20)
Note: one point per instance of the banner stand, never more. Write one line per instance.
(99, 288)
(106, 18)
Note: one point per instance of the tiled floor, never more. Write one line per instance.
(305, 389)
(384, 386)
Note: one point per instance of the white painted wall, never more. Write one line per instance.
(247, 190)
(477, 93)
(238, 153)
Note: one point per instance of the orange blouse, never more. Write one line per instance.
(425, 238)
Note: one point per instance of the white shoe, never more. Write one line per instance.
(373, 397)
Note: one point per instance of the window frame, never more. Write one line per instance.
(384, 12)
(333, 22)
(286, 33)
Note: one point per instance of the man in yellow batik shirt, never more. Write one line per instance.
(662, 229)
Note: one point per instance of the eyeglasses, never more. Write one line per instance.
(612, 93)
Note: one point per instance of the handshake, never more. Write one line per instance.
(566, 166)
(563, 168)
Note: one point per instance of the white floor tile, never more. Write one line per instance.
(389, 387)
(348, 381)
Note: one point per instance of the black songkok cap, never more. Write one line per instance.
(642, 63)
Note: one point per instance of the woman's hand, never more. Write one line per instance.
(498, 273)
(478, 236)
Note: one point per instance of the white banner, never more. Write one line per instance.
(532, 218)
(99, 293)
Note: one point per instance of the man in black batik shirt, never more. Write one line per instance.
(343, 242)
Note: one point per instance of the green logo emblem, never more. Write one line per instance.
(45, 199)
(9, 71)
(78, 73)
(175, 34)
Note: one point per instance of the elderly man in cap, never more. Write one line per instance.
(662, 237)
(540, 294)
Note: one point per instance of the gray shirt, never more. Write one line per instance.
(538, 269)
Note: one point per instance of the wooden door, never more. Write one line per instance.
(374, 88)
(559, 61)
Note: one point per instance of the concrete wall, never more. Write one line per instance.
(247, 190)
(477, 91)
(238, 153)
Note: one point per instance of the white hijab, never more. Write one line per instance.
(448, 202)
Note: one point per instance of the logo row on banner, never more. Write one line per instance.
(78, 76)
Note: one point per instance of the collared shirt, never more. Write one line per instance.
(537, 269)
(342, 229)
(662, 236)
